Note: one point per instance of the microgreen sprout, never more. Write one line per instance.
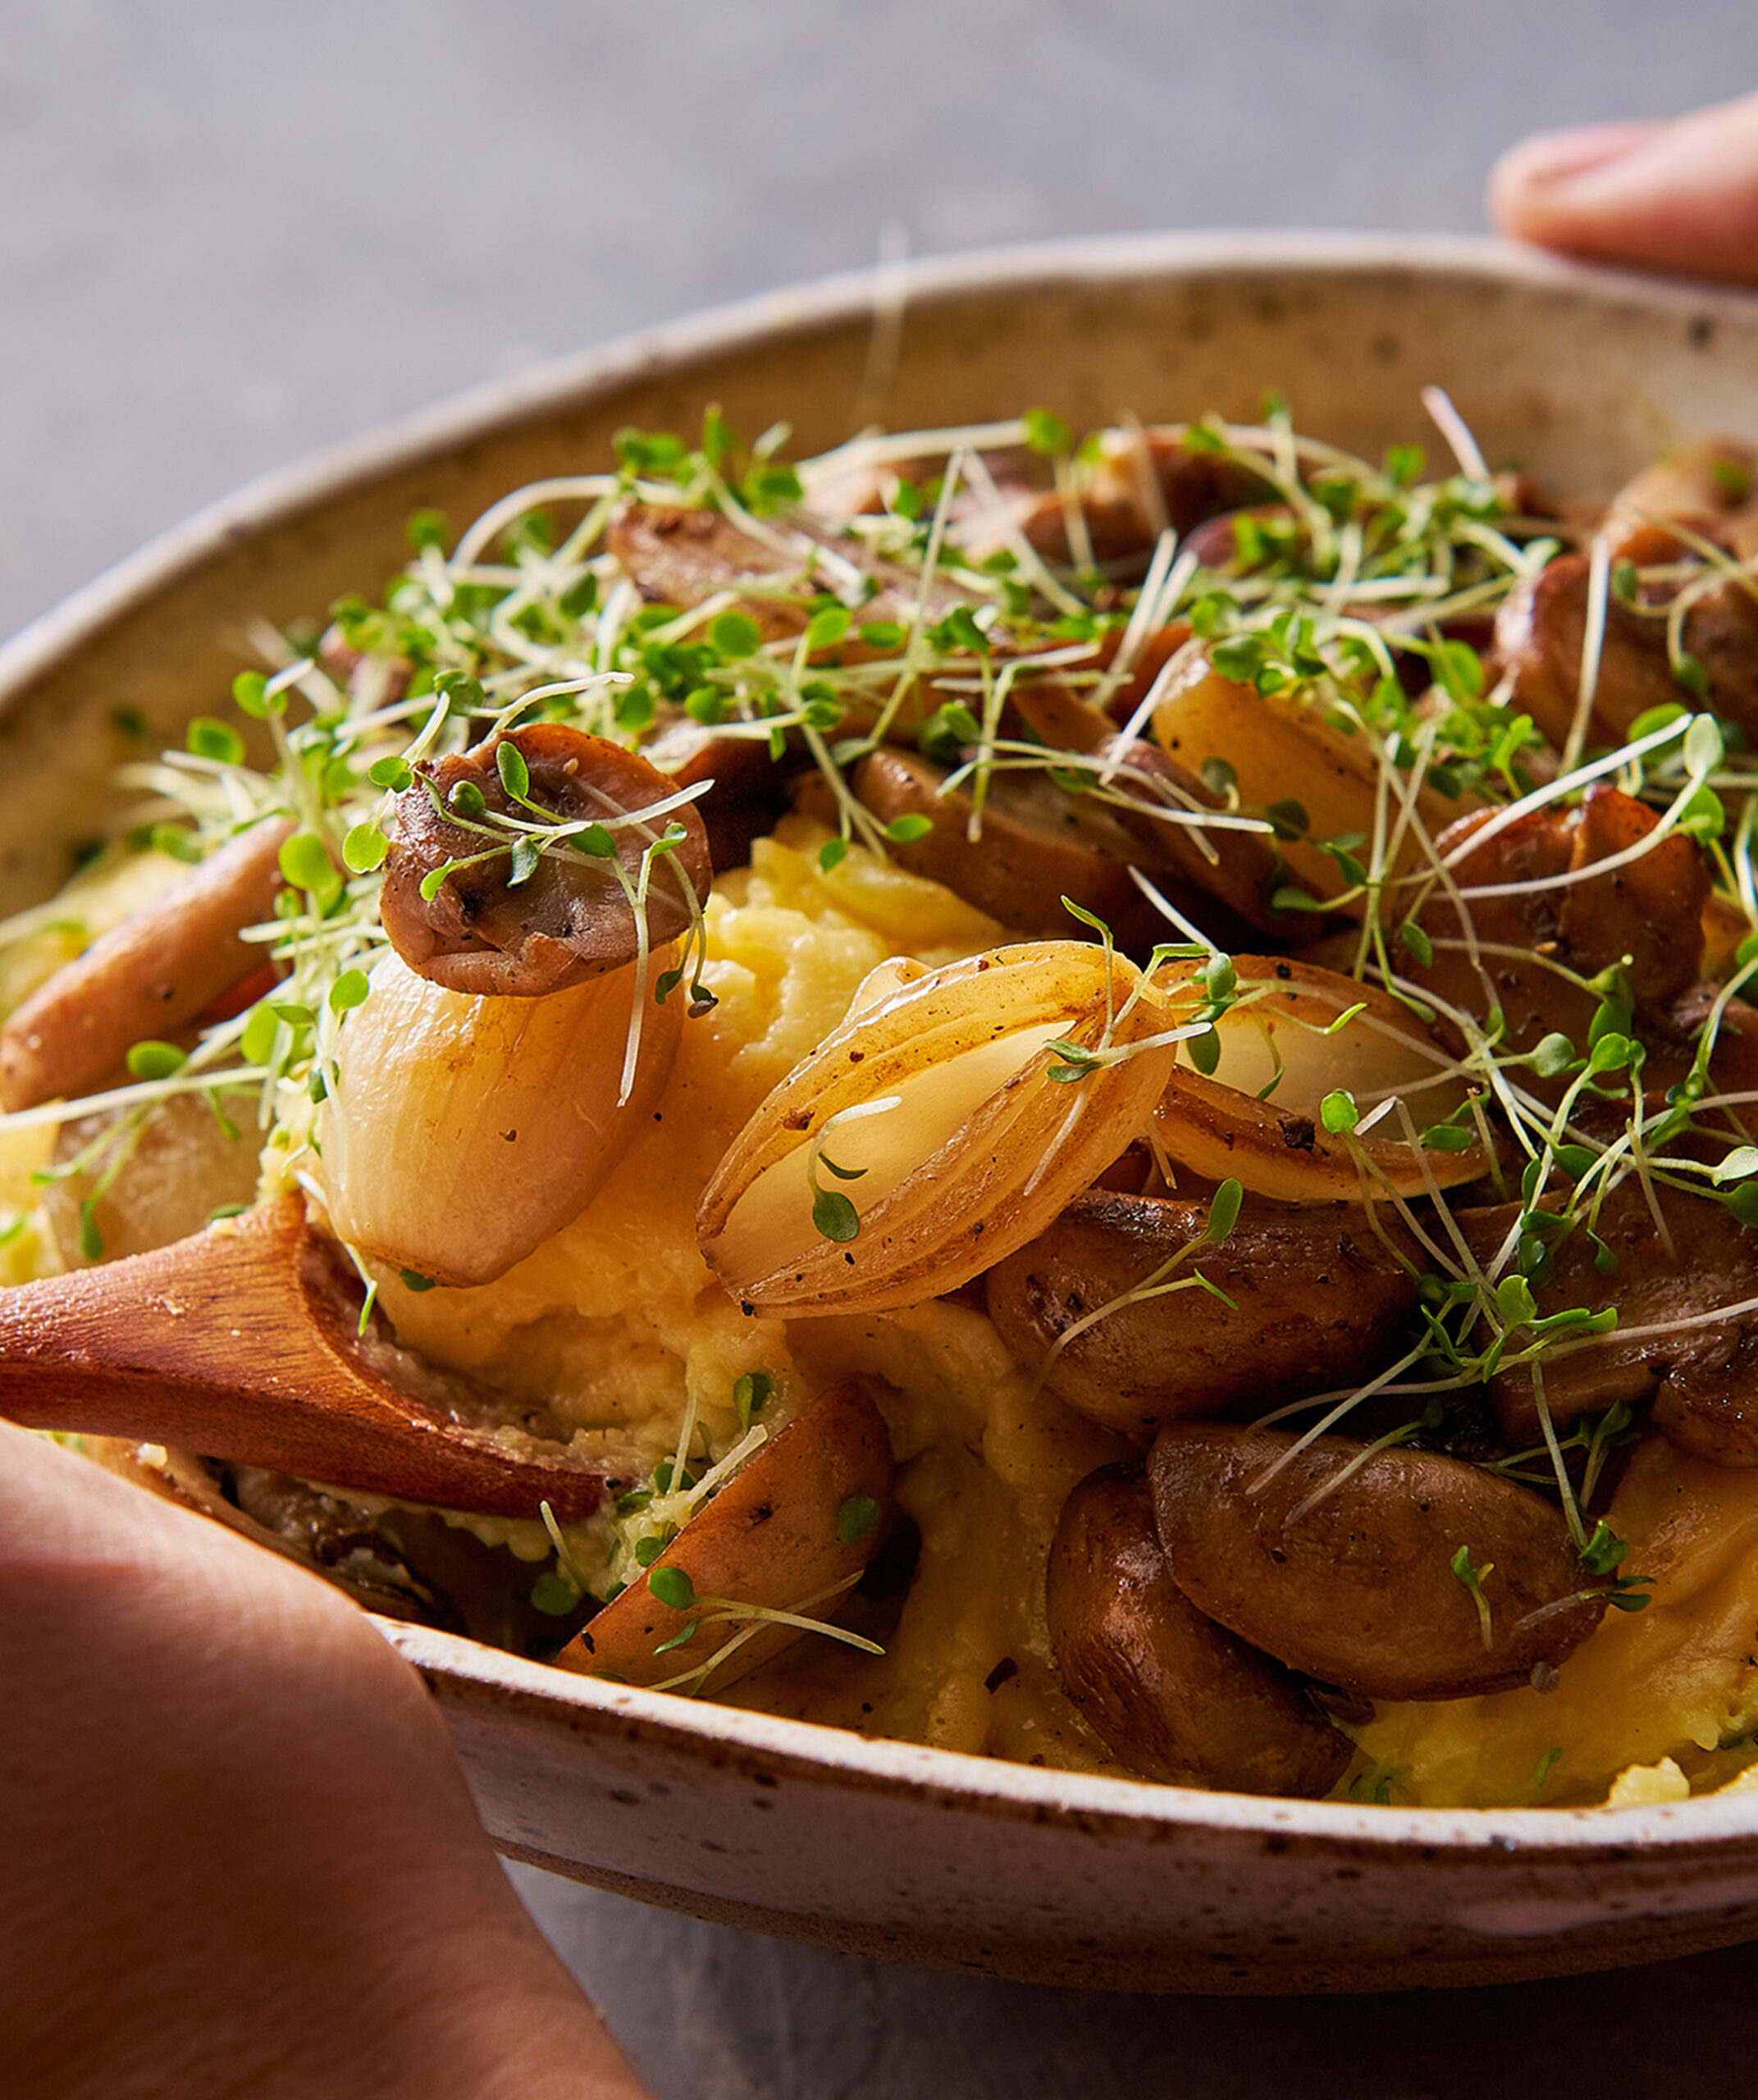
(1471, 1578)
(833, 1214)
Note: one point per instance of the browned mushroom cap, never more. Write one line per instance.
(1142, 480)
(1177, 1697)
(1711, 488)
(1358, 1588)
(1650, 910)
(747, 791)
(1541, 625)
(1163, 805)
(486, 930)
(1702, 1378)
(1317, 1296)
(150, 975)
(1038, 844)
(679, 557)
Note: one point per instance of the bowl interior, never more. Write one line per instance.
(1578, 376)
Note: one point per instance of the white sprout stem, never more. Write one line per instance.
(50, 1114)
(996, 511)
(1592, 647)
(1565, 784)
(584, 488)
(1456, 431)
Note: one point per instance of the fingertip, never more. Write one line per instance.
(1529, 193)
(1679, 196)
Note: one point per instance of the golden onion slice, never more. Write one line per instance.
(1259, 1117)
(932, 1121)
(1284, 749)
(465, 1128)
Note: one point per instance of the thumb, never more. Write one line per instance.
(1681, 197)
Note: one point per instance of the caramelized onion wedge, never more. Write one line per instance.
(463, 1131)
(490, 929)
(979, 1150)
(788, 1532)
(1340, 1563)
(1282, 749)
(1267, 1132)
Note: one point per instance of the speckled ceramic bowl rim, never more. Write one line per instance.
(538, 1690)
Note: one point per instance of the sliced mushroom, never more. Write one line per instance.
(1518, 951)
(1037, 844)
(748, 790)
(495, 929)
(790, 1532)
(1707, 487)
(1178, 1698)
(147, 978)
(1316, 1295)
(1141, 482)
(1541, 629)
(1365, 1568)
(1701, 1373)
(680, 557)
(683, 558)
(1161, 805)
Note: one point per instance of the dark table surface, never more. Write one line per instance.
(236, 232)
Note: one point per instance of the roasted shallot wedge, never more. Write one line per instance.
(243, 1342)
(153, 973)
(464, 1130)
(1268, 1114)
(773, 1553)
(1287, 755)
(937, 1130)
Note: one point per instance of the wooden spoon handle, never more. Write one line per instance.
(241, 1342)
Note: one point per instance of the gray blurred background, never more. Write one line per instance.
(234, 231)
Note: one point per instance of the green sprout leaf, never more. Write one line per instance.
(835, 1217)
(855, 1519)
(219, 740)
(348, 991)
(555, 1594)
(363, 849)
(750, 1394)
(671, 1587)
(1046, 433)
(1338, 1112)
(155, 1060)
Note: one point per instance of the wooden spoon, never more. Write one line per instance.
(242, 1341)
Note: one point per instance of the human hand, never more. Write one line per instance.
(1681, 197)
(241, 1856)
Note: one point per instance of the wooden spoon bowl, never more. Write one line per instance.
(244, 1341)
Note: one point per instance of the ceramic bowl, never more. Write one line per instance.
(877, 1847)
